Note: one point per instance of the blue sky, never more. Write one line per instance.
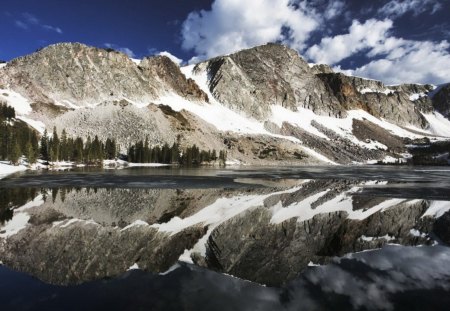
(391, 40)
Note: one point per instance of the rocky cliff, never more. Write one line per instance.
(262, 104)
(73, 75)
(267, 235)
(441, 100)
(252, 80)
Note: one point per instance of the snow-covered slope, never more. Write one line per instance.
(224, 93)
(6, 169)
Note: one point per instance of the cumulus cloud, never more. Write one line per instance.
(332, 50)
(396, 8)
(28, 20)
(172, 57)
(122, 49)
(382, 274)
(409, 61)
(396, 60)
(334, 9)
(233, 25)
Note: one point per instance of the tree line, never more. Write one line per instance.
(16, 137)
(56, 148)
(142, 152)
(92, 151)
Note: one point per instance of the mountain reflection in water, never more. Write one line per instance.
(269, 227)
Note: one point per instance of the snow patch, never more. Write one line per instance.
(341, 203)
(302, 119)
(171, 269)
(68, 223)
(417, 233)
(218, 212)
(137, 223)
(416, 96)
(20, 218)
(136, 61)
(317, 155)
(301, 210)
(437, 209)
(186, 257)
(212, 216)
(224, 119)
(369, 90)
(7, 169)
(20, 104)
(439, 125)
(67, 103)
(133, 267)
(16, 224)
(38, 125)
(386, 237)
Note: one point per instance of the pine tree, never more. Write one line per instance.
(78, 149)
(63, 146)
(44, 150)
(14, 155)
(146, 151)
(55, 145)
(87, 152)
(30, 153)
(175, 153)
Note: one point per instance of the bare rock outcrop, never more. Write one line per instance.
(79, 75)
(252, 80)
(441, 100)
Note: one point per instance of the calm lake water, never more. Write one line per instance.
(297, 238)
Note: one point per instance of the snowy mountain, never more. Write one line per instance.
(263, 235)
(263, 104)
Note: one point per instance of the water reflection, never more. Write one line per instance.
(393, 278)
(267, 230)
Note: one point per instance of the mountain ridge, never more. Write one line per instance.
(267, 92)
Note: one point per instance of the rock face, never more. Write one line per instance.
(252, 80)
(252, 247)
(78, 75)
(392, 104)
(267, 235)
(441, 100)
(243, 102)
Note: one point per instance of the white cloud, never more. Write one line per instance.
(332, 50)
(334, 9)
(398, 60)
(29, 20)
(172, 57)
(409, 61)
(21, 24)
(55, 29)
(122, 49)
(233, 25)
(396, 8)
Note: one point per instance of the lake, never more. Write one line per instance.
(291, 238)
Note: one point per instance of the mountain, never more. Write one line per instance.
(262, 104)
(265, 235)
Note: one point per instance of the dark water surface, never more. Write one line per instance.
(314, 238)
